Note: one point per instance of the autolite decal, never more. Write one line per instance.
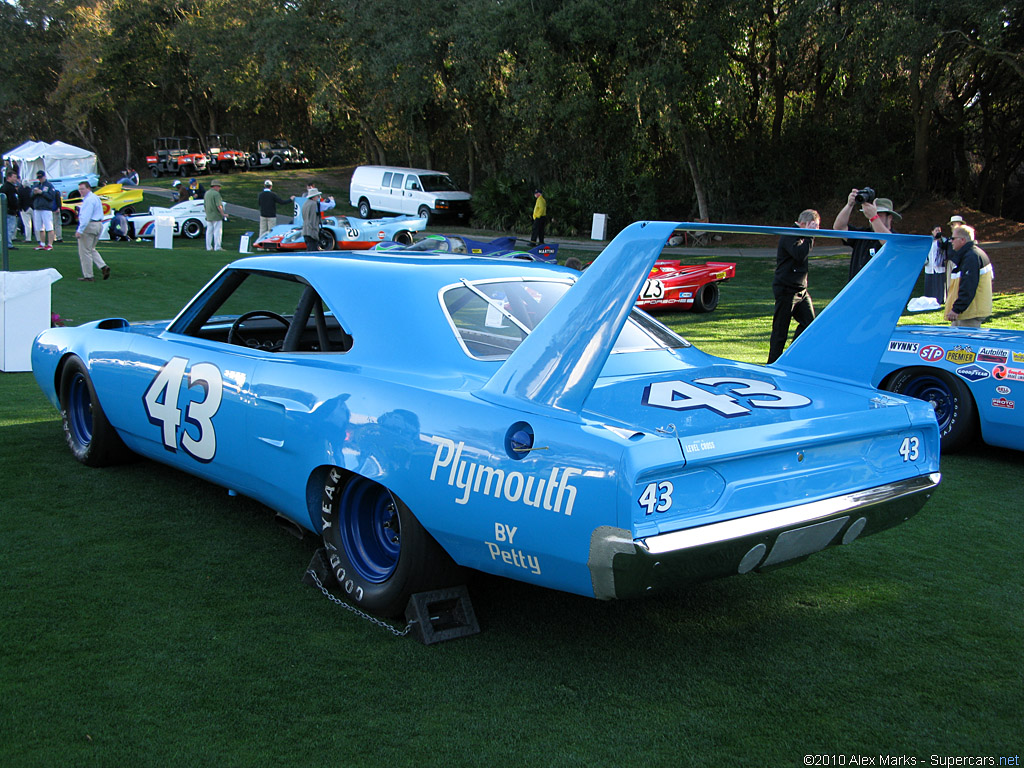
(471, 477)
(991, 355)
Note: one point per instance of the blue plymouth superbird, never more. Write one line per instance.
(514, 417)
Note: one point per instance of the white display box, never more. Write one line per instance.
(24, 314)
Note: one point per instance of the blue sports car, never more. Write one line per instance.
(498, 248)
(509, 416)
(341, 232)
(972, 378)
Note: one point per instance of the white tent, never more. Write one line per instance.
(59, 160)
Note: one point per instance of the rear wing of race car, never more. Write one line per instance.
(555, 368)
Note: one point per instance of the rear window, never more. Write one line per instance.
(490, 318)
(387, 180)
(396, 180)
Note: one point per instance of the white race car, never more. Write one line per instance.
(189, 220)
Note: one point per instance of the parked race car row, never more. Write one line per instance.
(182, 156)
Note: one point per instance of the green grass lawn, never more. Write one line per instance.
(151, 619)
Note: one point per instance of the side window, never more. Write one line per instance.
(396, 181)
(387, 180)
(412, 183)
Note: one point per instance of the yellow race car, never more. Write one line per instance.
(114, 197)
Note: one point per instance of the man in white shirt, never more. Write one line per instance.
(90, 224)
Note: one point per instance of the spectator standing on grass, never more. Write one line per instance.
(90, 224)
(311, 219)
(58, 231)
(268, 201)
(43, 194)
(969, 303)
(878, 212)
(540, 218)
(213, 204)
(792, 300)
(25, 201)
(10, 189)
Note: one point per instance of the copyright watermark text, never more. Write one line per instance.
(946, 761)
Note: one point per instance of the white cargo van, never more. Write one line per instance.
(415, 191)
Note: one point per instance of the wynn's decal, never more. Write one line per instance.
(681, 396)
(471, 477)
(904, 346)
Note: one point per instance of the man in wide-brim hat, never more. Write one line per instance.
(879, 213)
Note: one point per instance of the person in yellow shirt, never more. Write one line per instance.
(969, 299)
(540, 219)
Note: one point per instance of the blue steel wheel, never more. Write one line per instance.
(379, 553)
(90, 437)
(950, 397)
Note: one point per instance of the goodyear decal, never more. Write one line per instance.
(972, 372)
(904, 346)
(961, 355)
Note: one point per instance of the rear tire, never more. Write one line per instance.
(949, 396)
(404, 238)
(377, 549)
(707, 298)
(424, 213)
(90, 437)
(364, 209)
(191, 228)
(67, 218)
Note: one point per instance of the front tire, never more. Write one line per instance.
(707, 298)
(949, 396)
(67, 217)
(377, 549)
(90, 437)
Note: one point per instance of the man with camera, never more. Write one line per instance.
(878, 212)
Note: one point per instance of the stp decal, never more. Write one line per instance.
(931, 353)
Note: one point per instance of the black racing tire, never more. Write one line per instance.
(954, 406)
(128, 210)
(327, 240)
(707, 298)
(67, 217)
(404, 237)
(191, 228)
(424, 213)
(364, 208)
(90, 437)
(377, 550)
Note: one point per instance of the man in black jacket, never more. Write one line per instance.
(268, 202)
(43, 197)
(792, 301)
(10, 190)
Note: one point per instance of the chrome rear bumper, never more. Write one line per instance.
(621, 566)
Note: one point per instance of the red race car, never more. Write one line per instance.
(679, 287)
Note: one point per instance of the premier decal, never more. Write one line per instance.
(992, 355)
(932, 353)
(681, 396)
(904, 346)
(471, 477)
(960, 355)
